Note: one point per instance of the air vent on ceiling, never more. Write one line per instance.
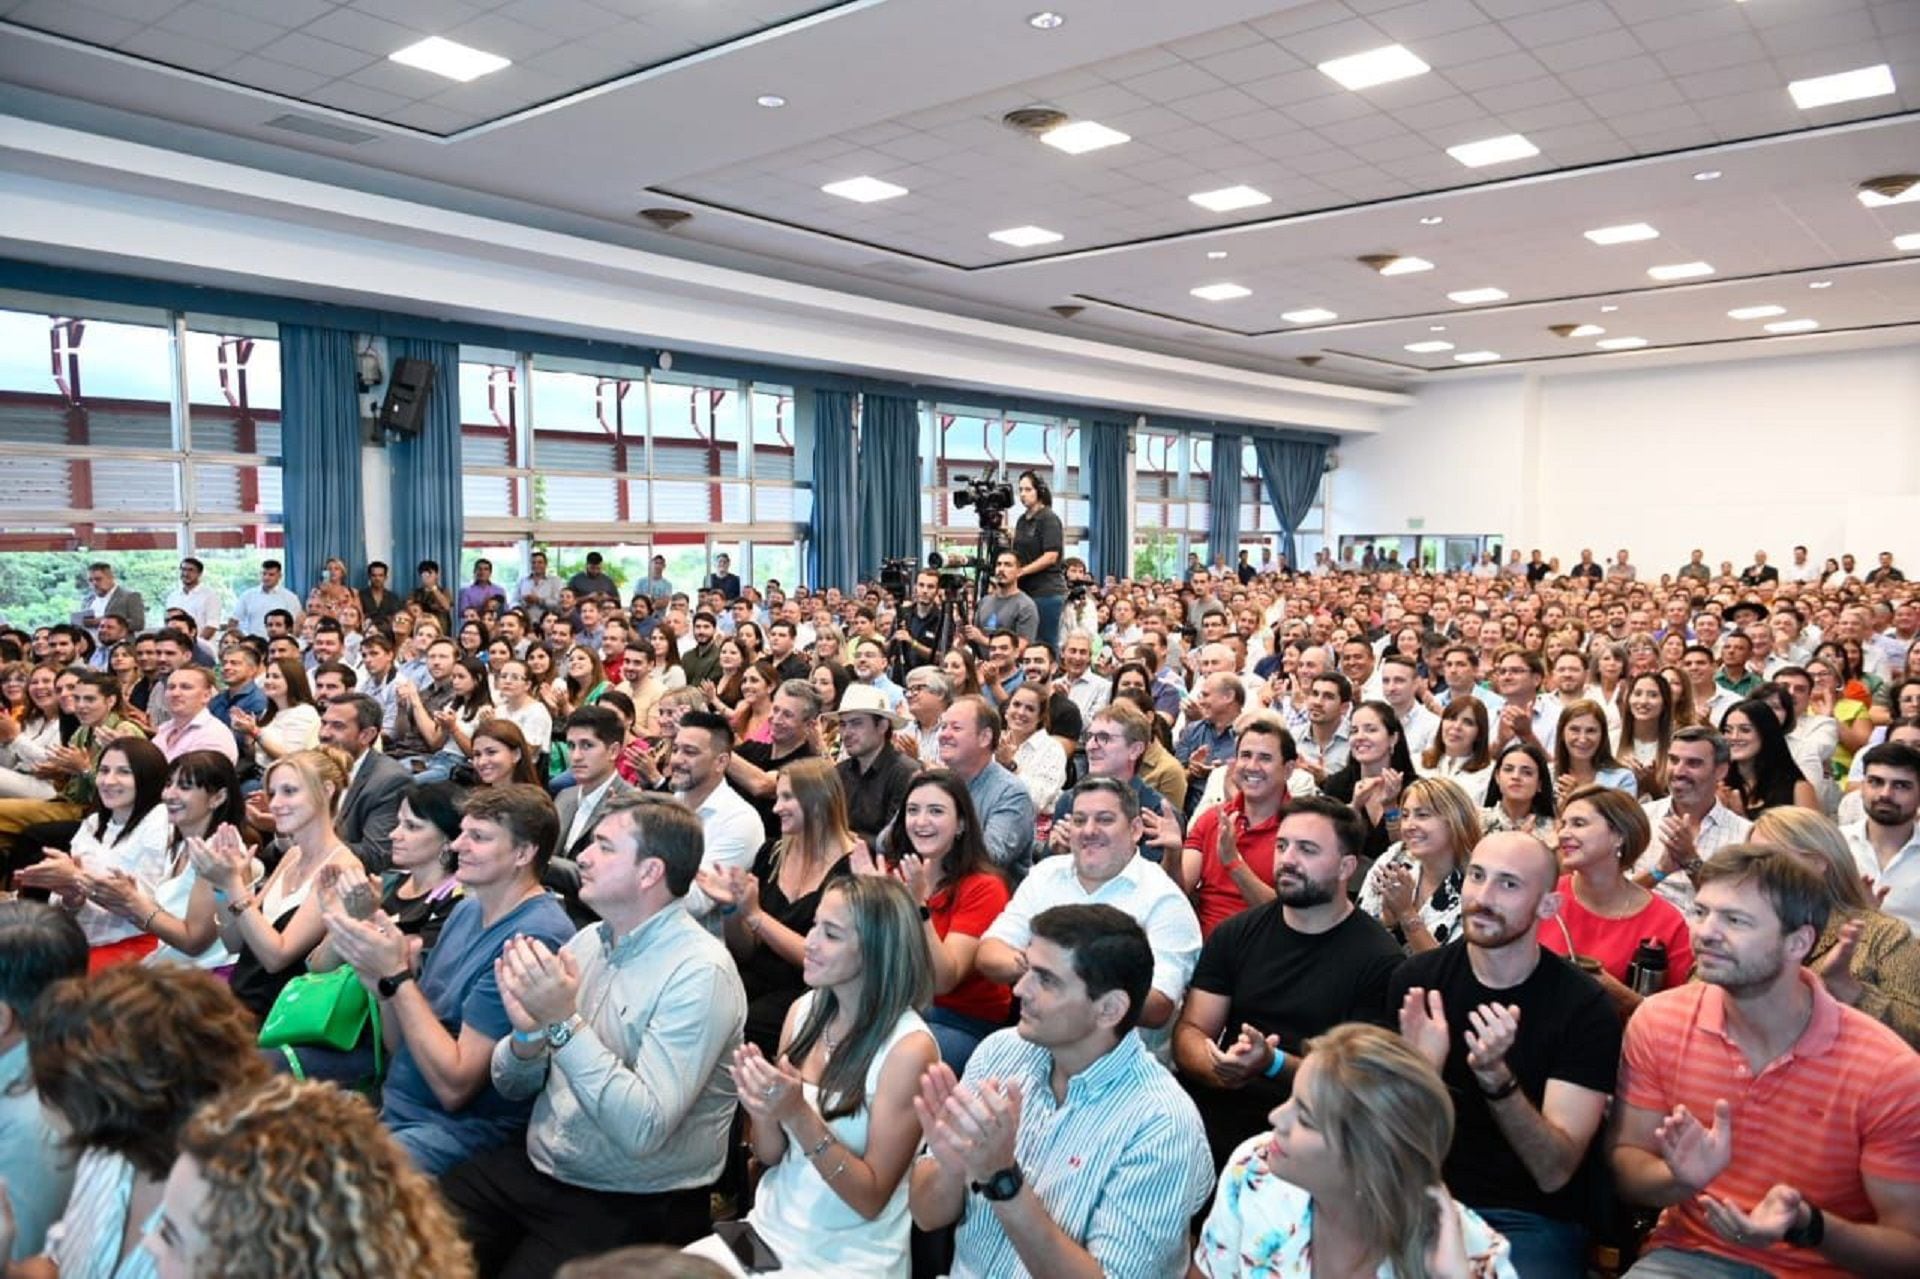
(325, 130)
(1034, 120)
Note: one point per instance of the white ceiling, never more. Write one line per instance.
(612, 105)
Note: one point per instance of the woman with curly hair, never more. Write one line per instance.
(290, 1180)
(124, 1058)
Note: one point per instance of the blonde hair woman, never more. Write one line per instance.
(299, 1181)
(1348, 1181)
(770, 909)
(1866, 957)
(1415, 888)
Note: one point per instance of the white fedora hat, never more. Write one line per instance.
(862, 699)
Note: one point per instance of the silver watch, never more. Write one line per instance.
(561, 1031)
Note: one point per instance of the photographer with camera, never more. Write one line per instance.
(917, 626)
(1039, 541)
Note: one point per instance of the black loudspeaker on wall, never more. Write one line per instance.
(407, 390)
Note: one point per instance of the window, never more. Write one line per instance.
(136, 436)
(960, 443)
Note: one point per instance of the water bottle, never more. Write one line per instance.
(1648, 974)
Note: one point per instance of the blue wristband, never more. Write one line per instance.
(530, 1036)
(1278, 1064)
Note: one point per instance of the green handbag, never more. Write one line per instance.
(328, 1010)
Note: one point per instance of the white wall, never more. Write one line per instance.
(1821, 449)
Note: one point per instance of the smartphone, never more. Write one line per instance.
(749, 1249)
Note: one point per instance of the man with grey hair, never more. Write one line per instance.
(929, 693)
(1209, 738)
(1689, 823)
(754, 766)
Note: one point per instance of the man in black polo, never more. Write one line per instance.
(874, 773)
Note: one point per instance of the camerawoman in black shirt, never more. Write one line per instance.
(1040, 541)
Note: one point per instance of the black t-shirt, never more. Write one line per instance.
(1063, 713)
(760, 755)
(1291, 984)
(1568, 1031)
(874, 797)
(1034, 534)
(925, 631)
(1593, 571)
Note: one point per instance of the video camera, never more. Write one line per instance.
(990, 499)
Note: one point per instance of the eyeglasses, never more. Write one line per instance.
(1102, 739)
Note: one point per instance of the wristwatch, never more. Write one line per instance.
(390, 986)
(1002, 1186)
(1504, 1091)
(1809, 1235)
(561, 1031)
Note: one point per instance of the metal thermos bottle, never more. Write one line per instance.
(1648, 975)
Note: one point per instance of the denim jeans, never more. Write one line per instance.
(1050, 607)
(1543, 1247)
(957, 1035)
(1673, 1263)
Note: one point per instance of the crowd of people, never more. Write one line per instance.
(1362, 920)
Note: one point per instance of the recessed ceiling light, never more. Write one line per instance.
(864, 189)
(1706, 175)
(1680, 271)
(1477, 357)
(1221, 292)
(1842, 86)
(1312, 315)
(1620, 344)
(1626, 233)
(1607, 308)
(445, 57)
(1025, 237)
(1436, 328)
(1907, 243)
(1586, 331)
(1467, 297)
(1046, 20)
(1083, 136)
(1429, 348)
(1902, 188)
(1214, 255)
(1820, 284)
(1227, 199)
(1510, 146)
(771, 101)
(1406, 266)
(1432, 219)
(1755, 312)
(1792, 326)
(1375, 66)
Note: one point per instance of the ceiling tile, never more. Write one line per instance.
(1170, 83)
(177, 50)
(1568, 22)
(1256, 62)
(1304, 17)
(1614, 75)
(274, 77)
(1715, 55)
(1513, 97)
(221, 27)
(1607, 46)
(1471, 44)
(1293, 86)
(1512, 68)
(1416, 22)
(78, 21)
(1200, 47)
(138, 10)
(505, 37)
(1746, 78)
(325, 57)
(1220, 104)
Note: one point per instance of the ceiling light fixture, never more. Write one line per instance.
(1842, 86)
(1083, 136)
(1215, 255)
(1468, 297)
(1899, 188)
(1221, 292)
(1626, 233)
(771, 101)
(1621, 344)
(1509, 146)
(1792, 326)
(1706, 175)
(1429, 348)
(1046, 20)
(1755, 312)
(1067, 311)
(864, 189)
(450, 59)
(1477, 357)
(1576, 330)
(1680, 271)
(666, 219)
(1907, 243)
(1820, 284)
(1432, 219)
(1227, 199)
(1311, 315)
(1026, 237)
(1376, 66)
(1607, 308)
(1395, 263)
(1436, 328)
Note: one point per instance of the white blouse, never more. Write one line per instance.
(142, 854)
(1041, 764)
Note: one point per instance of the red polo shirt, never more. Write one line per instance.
(1217, 898)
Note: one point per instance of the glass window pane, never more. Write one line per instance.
(489, 413)
(576, 499)
(490, 496)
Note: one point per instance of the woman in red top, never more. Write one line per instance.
(1603, 914)
(936, 849)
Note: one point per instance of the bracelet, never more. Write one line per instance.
(1504, 1091)
(147, 923)
(1278, 1064)
(530, 1036)
(729, 909)
(838, 1169)
(239, 907)
(1659, 875)
(825, 1141)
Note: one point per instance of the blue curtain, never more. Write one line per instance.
(1223, 498)
(1104, 461)
(1292, 470)
(889, 480)
(429, 515)
(320, 442)
(833, 541)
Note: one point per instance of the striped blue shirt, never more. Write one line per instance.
(1121, 1165)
